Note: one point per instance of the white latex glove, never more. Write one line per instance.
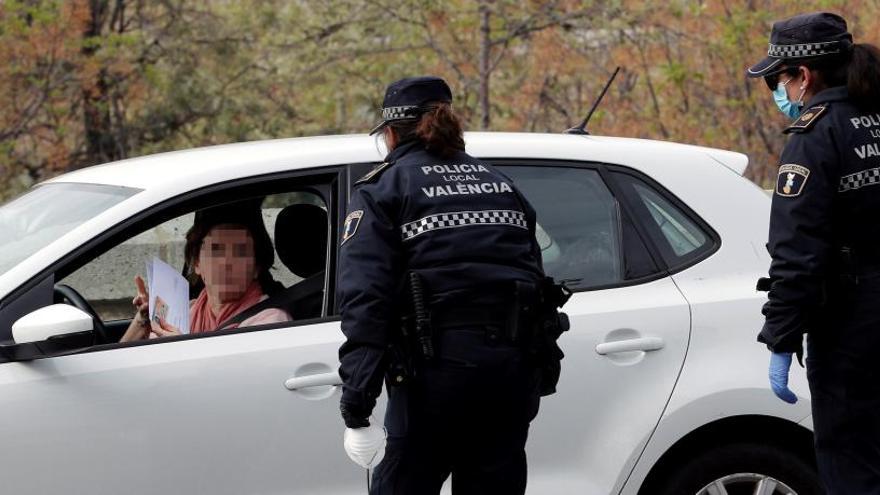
(365, 446)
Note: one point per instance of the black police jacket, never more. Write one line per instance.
(459, 222)
(824, 206)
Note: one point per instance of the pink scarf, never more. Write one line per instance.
(202, 317)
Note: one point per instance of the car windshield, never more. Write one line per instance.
(47, 212)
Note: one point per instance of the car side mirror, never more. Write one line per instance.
(51, 321)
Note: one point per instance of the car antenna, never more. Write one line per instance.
(582, 128)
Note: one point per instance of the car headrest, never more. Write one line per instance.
(301, 238)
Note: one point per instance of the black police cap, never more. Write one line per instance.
(406, 99)
(818, 34)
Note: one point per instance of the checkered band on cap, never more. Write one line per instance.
(463, 219)
(804, 50)
(858, 180)
(400, 113)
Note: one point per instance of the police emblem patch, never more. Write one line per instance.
(791, 180)
(352, 221)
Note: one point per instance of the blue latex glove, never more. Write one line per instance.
(780, 363)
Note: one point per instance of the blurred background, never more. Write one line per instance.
(84, 82)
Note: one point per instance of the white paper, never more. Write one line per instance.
(171, 290)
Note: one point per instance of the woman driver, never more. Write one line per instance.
(229, 254)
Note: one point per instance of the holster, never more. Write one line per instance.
(401, 367)
(415, 337)
(538, 323)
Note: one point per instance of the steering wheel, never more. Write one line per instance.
(64, 291)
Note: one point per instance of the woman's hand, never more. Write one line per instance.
(139, 328)
(164, 329)
(141, 301)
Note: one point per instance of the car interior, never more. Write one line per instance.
(301, 232)
(300, 240)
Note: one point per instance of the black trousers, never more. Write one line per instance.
(843, 369)
(466, 414)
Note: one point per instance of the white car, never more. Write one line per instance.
(663, 392)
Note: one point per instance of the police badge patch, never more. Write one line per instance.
(351, 225)
(791, 180)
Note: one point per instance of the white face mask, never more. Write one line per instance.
(786, 106)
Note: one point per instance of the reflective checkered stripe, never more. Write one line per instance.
(858, 180)
(803, 50)
(463, 219)
(398, 113)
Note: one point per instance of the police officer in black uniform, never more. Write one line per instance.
(442, 292)
(825, 240)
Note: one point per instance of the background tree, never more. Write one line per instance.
(89, 81)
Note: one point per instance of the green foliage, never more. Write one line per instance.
(677, 73)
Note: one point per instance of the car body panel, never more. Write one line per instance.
(193, 416)
(725, 373)
(585, 449)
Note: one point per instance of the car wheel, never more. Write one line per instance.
(744, 469)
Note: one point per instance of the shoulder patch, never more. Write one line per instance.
(350, 227)
(374, 174)
(807, 119)
(791, 180)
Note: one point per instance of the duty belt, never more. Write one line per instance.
(469, 316)
(495, 320)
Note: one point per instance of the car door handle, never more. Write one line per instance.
(643, 344)
(317, 380)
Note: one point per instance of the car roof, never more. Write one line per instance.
(198, 167)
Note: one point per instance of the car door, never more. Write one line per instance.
(629, 330)
(245, 411)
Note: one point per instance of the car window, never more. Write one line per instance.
(584, 238)
(45, 213)
(678, 236)
(298, 232)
